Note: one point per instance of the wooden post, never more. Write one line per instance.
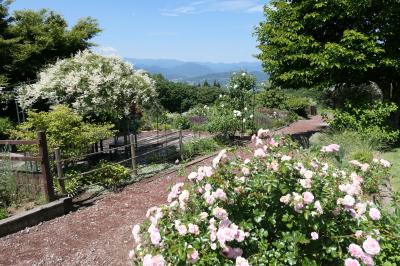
(57, 154)
(133, 154)
(45, 167)
(180, 144)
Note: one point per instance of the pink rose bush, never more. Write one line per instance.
(279, 206)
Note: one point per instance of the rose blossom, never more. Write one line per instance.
(220, 213)
(136, 233)
(308, 197)
(245, 171)
(193, 229)
(150, 260)
(367, 260)
(259, 153)
(318, 207)
(314, 236)
(155, 236)
(351, 262)
(203, 216)
(355, 250)
(375, 214)
(192, 176)
(193, 256)
(348, 201)
(240, 261)
(285, 199)
(371, 246)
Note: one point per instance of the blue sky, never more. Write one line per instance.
(199, 30)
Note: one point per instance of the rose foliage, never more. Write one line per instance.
(279, 205)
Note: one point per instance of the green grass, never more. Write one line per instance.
(393, 156)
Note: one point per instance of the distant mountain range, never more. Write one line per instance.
(197, 72)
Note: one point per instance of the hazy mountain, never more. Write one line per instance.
(195, 72)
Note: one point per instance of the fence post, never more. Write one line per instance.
(180, 144)
(45, 167)
(133, 154)
(57, 154)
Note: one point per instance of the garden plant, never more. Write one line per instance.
(276, 205)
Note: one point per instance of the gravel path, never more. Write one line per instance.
(101, 234)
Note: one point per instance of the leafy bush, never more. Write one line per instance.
(64, 129)
(106, 174)
(272, 98)
(5, 126)
(298, 105)
(369, 121)
(199, 147)
(278, 207)
(110, 174)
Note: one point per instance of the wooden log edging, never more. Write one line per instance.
(35, 216)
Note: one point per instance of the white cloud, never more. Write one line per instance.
(256, 9)
(106, 51)
(249, 6)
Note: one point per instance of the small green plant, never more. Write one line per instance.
(110, 174)
(5, 126)
(3, 213)
(197, 147)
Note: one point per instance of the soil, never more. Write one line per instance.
(100, 234)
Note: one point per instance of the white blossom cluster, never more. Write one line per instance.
(90, 84)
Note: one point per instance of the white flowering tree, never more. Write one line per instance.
(97, 87)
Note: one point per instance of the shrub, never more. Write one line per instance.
(272, 98)
(199, 147)
(110, 174)
(298, 105)
(64, 129)
(369, 121)
(5, 126)
(278, 207)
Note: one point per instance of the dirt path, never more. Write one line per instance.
(101, 234)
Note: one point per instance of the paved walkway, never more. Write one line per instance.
(101, 234)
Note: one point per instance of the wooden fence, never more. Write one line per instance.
(42, 158)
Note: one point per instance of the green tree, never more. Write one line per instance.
(180, 97)
(319, 43)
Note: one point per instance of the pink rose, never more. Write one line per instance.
(314, 236)
(240, 261)
(355, 251)
(348, 201)
(259, 153)
(150, 260)
(308, 197)
(367, 260)
(375, 214)
(220, 213)
(351, 262)
(371, 246)
(193, 256)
